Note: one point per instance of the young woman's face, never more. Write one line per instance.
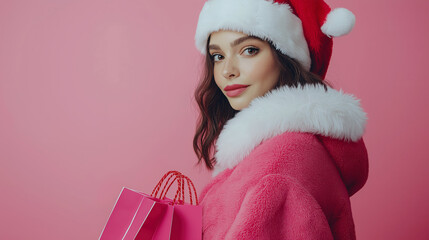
(244, 66)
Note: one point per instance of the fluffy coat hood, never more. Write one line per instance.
(334, 116)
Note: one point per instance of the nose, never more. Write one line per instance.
(230, 69)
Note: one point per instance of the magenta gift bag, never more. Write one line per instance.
(142, 217)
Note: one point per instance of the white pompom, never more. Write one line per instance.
(339, 21)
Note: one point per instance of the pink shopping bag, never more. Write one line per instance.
(141, 216)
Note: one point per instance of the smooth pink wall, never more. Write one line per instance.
(96, 95)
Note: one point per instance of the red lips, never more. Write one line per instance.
(235, 90)
(234, 86)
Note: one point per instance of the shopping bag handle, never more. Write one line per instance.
(180, 193)
(169, 174)
(179, 177)
(181, 190)
(181, 184)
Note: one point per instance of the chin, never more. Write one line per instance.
(238, 105)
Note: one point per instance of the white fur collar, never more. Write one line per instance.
(307, 108)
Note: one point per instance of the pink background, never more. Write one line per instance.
(97, 95)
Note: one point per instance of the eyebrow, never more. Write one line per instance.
(235, 43)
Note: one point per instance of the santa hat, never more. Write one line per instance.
(302, 30)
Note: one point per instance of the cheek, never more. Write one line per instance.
(270, 67)
(266, 72)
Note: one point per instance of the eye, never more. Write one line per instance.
(251, 51)
(216, 57)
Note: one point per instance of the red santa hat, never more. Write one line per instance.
(303, 30)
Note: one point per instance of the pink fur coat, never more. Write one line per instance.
(286, 167)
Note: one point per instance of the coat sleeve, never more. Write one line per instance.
(278, 207)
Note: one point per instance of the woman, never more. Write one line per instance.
(286, 149)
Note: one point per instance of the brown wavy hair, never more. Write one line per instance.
(215, 109)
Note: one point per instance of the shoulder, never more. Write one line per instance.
(292, 141)
(287, 152)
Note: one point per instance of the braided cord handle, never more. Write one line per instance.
(169, 174)
(189, 183)
(180, 193)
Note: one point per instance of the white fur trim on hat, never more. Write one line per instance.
(307, 108)
(339, 22)
(260, 18)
